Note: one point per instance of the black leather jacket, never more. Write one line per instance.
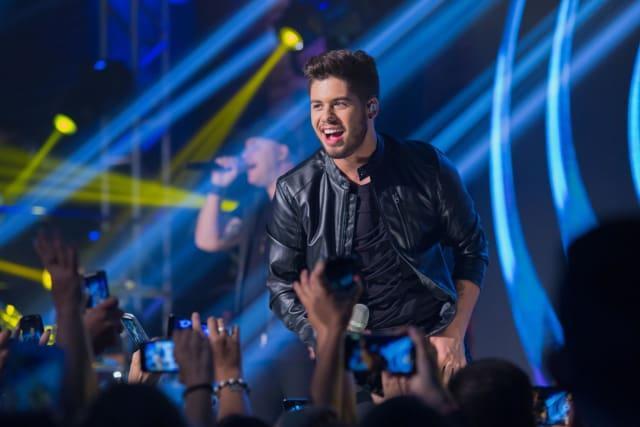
(422, 201)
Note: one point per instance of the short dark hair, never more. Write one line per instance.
(356, 68)
(494, 393)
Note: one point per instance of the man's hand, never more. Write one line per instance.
(44, 338)
(451, 353)
(5, 336)
(61, 261)
(394, 386)
(226, 350)
(103, 323)
(426, 383)
(226, 177)
(193, 356)
(325, 312)
(137, 375)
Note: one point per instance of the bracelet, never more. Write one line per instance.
(234, 384)
(205, 386)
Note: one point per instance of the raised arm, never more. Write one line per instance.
(211, 235)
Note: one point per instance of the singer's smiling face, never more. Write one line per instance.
(338, 117)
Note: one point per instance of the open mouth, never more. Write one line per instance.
(333, 135)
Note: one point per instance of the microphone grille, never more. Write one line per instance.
(359, 318)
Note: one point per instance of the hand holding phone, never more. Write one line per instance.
(395, 354)
(30, 329)
(294, 404)
(180, 323)
(157, 356)
(97, 288)
(552, 406)
(134, 329)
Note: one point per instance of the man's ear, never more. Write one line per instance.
(373, 108)
(283, 152)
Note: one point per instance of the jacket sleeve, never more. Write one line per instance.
(461, 226)
(286, 260)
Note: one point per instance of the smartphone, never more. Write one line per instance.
(157, 356)
(32, 378)
(339, 272)
(180, 323)
(31, 328)
(395, 354)
(294, 404)
(97, 288)
(552, 406)
(134, 329)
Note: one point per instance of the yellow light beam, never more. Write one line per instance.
(178, 199)
(118, 183)
(17, 187)
(211, 135)
(23, 271)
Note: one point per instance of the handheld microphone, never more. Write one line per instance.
(359, 318)
(212, 166)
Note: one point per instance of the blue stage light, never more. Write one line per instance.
(68, 171)
(634, 125)
(592, 52)
(573, 210)
(94, 235)
(535, 319)
(476, 101)
(100, 65)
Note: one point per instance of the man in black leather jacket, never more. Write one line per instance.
(393, 204)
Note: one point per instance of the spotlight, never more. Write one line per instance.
(47, 282)
(38, 210)
(64, 124)
(291, 38)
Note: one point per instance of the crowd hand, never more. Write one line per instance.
(103, 324)
(5, 336)
(393, 386)
(232, 169)
(451, 353)
(61, 261)
(325, 312)
(193, 356)
(227, 359)
(426, 382)
(44, 338)
(137, 375)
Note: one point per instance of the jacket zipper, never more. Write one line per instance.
(405, 229)
(343, 231)
(393, 244)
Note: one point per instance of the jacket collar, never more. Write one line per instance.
(363, 171)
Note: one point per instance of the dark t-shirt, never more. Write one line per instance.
(253, 257)
(392, 291)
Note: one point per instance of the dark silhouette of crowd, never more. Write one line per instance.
(598, 294)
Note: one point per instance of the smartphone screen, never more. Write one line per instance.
(294, 404)
(157, 356)
(134, 329)
(375, 353)
(31, 328)
(552, 406)
(180, 323)
(97, 288)
(32, 378)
